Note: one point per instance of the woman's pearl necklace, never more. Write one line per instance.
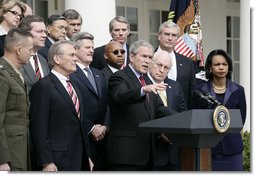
(219, 89)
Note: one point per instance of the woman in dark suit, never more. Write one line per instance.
(227, 154)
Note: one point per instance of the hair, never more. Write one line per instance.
(16, 36)
(72, 14)
(9, 4)
(78, 37)
(137, 44)
(56, 49)
(119, 19)
(168, 24)
(209, 59)
(26, 21)
(161, 53)
(51, 19)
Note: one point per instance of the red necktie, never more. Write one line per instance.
(74, 97)
(141, 78)
(37, 70)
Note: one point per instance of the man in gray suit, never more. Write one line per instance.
(37, 66)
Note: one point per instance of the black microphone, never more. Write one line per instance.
(201, 95)
(213, 99)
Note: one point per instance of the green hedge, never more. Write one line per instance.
(246, 152)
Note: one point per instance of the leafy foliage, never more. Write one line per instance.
(246, 152)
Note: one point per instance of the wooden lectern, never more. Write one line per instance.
(194, 133)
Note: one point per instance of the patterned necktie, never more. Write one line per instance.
(37, 70)
(91, 78)
(162, 95)
(141, 78)
(74, 97)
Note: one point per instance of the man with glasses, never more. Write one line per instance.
(119, 29)
(172, 98)
(56, 31)
(115, 57)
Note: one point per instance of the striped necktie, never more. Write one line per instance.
(37, 70)
(74, 97)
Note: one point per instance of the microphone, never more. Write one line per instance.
(204, 97)
(213, 99)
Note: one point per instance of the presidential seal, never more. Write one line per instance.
(221, 119)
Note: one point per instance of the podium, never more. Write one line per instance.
(194, 133)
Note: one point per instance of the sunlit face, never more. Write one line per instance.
(142, 59)
(13, 16)
(115, 54)
(85, 52)
(39, 33)
(57, 31)
(168, 38)
(73, 26)
(119, 32)
(66, 62)
(25, 51)
(159, 68)
(219, 67)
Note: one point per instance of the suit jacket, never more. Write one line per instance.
(45, 50)
(2, 38)
(99, 60)
(107, 73)
(29, 74)
(56, 130)
(126, 144)
(96, 110)
(234, 98)
(13, 118)
(186, 77)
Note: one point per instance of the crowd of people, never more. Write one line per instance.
(67, 106)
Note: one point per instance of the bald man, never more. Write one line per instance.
(115, 57)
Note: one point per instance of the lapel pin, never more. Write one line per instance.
(169, 87)
(181, 65)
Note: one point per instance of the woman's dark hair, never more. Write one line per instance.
(208, 63)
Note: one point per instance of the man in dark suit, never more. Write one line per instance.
(114, 55)
(119, 29)
(14, 102)
(56, 115)
(172, 97)
(132, 101)
(182, 70)
(56, 31)
(38, 66)
(93, 87)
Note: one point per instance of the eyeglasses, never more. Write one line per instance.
(16, 13)
(160, 66)
(116, 52)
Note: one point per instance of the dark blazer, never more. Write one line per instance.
(96, 109)
(107, 73)
(126, 144)
(234, 99)
(29, 74)
(99, 60)
(56, 130)
(2, 38)
(186, 77)
(13, 119)
(45, 50)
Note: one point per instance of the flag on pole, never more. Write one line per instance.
(186, 14)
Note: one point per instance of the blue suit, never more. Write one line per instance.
(44, 51)
(234, 98)
(95, 111)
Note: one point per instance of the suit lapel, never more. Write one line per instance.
(30, 72)
(84, 79)
(62, 91)
(97, 81)
(44, 64)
